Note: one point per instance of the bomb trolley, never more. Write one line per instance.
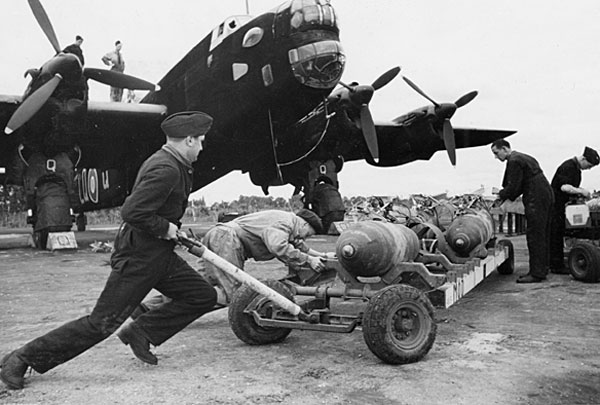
(387, 292)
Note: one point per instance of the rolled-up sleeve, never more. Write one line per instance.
(277, 242)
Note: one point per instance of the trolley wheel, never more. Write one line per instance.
(243, 324)
(508, 266)
(584, 262)
(398, 324)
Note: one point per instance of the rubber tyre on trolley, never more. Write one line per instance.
(242, 323)
(398, 324)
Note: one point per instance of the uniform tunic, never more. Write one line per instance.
(261, 236)
(142, 260)
(523, 175)
(569, 172)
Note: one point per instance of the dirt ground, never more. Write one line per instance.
(503, 343)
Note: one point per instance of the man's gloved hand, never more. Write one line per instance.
(316, 264)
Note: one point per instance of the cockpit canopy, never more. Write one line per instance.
(305, 14)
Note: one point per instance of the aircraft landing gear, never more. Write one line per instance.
(81, 222)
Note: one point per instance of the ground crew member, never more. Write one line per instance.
(261, 236)
(75, 48)
(115, 60)
(523, 175)
(327, 202)
(143, 259)
(565, 183)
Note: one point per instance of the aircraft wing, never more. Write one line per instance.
(114, 135)
(404, 142)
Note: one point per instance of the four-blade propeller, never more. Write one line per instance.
(444, 112)
(67, 67)
(359, 96)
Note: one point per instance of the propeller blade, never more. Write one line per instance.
(449, 141)
(466, 99)
(32, 104)
(386, 78)
(418, 90)
(42, 18)
(117, 79)
(368, 129)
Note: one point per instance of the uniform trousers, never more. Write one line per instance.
(538, 214)
(140, 262)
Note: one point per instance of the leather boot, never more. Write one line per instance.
(132, 335)
(13, 371)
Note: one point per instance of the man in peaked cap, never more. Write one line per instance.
(565, 183)
(143, 259)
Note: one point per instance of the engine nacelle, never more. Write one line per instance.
(372, 248)
(468, 234)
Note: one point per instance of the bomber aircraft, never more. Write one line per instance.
(271, 83)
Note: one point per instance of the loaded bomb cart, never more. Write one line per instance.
(384, 280)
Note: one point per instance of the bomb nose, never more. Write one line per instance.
(348, 251)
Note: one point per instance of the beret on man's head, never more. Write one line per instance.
(591, 156)
(312, 219)
(186, 123)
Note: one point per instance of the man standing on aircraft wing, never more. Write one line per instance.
(523, 175)
(143, 259)
(75, 49)
(261, 236)
(116, 62)
(565, 183)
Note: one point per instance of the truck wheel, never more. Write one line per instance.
(243, 324)
(508, 266)
(398, 324)
(584, 262)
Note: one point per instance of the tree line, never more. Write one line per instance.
(13, 208)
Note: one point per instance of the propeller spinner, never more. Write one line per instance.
(360, 96)
(445, 111)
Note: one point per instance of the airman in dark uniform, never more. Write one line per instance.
(565, 183)
(143, 259)
(523, 175)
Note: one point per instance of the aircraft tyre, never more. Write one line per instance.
(508, 266)
(584, 262)
(398, 324)
(243, 324)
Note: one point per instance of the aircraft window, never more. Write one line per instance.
(318, 65)
(328, 15)
(226, 28)
(252, 37)
(311, 12)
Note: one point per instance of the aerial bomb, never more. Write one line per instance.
(372, 248)
(468, 234)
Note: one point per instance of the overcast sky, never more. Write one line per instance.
(535, 64)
